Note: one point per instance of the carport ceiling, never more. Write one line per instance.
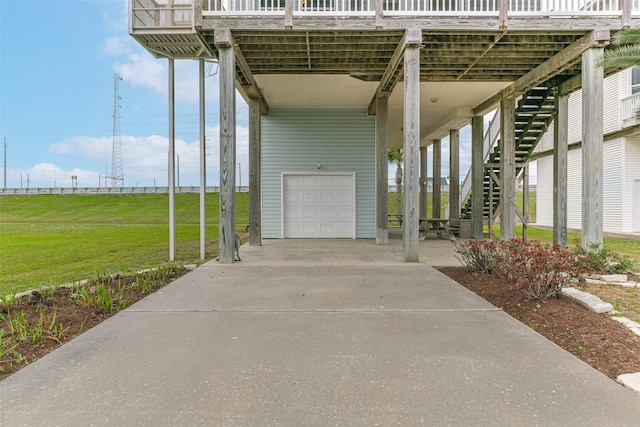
(446, 56)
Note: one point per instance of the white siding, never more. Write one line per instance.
(612, 188)
(575, 117)
(632, 174)
(612, 184)
(544, 192)
(546, 142)
(574, 189)
(618, 174)
(298, 140)
(611, 104)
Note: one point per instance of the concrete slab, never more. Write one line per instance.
(265, 342)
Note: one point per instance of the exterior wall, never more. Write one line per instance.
(617, 190)
(544, 192)
(613, 188)
(297, 140)
(632, 174)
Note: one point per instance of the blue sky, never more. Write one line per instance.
(58, 59)
(57, 65)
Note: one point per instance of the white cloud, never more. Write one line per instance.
(145, 159)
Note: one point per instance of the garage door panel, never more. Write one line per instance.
(318, 206)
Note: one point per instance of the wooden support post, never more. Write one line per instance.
(507, 168)
(379, 14)
(172, 159)
(203, 164)
(423, 182)
(255, 173)
(525, 201)
(412, 144)
(382, 170)
(454, 176)
(592, 149)
(437, 178)
(227, 68)
(627, 7)
(477, 177)
(560, 152)
(288, 14)
(503, 13)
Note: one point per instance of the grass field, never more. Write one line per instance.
(51, 239)
(393, 204)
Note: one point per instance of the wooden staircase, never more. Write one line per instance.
(534, 113)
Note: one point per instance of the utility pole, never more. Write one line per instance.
(178, 172)
(239, 176)
(5, 163)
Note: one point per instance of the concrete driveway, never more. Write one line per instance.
(315, 333)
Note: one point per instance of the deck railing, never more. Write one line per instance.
(162, 13)
(420, 7)
(630, 107)
(179, 14)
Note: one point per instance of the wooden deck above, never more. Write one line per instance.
(347, 51)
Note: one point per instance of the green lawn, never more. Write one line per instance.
(393, 204)
(50, 239)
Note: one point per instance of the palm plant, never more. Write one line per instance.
(395, 157)
(626, 51)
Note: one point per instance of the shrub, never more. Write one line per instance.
(603, 260)
(539, 270)
(478, 255)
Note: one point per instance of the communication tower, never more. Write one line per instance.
(117, 172)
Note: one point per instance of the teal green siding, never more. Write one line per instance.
(297, 140)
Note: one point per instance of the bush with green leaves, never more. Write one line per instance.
(540, 270)
(602, 260)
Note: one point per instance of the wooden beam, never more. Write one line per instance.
(411, 148)
(437, 176)
(477, 177)
(227, 68)
(507, 168)
(255, 173)
(560, 162)
(224, 39)
(252, 89)
(560, 61)
(384, 87)
(389, 79)
(454, 174)
(592, 149)
(551, 67)
(382, 171)
(486, 50)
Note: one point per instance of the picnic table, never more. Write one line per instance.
(437, 226)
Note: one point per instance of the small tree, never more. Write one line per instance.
(395, 157)
(626, 52)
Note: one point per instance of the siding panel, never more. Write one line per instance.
(544, 192)
(632, 174)
(611, 104)
(612, 185)
(297, 140)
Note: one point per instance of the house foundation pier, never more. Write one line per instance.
(227, 69)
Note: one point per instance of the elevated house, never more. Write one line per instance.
(332, 84)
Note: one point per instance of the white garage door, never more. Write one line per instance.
(318, 206)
